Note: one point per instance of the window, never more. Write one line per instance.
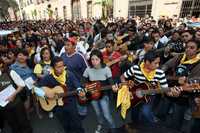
(89, 9)
(140, 7)
(64, 12)
(186, 8)
(76, 9)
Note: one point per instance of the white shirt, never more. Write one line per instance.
(79, 48)
(17, 79)
(164, 40)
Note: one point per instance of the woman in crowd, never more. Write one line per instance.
(44, 68)
(98, 71)
(14, 111)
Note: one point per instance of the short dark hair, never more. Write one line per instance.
(22, 51)
(191, 32)
(111, 42)
(55, 60)
(148, 39)
(151, 55)
(194, 41)
(156, 31)
(176, 31)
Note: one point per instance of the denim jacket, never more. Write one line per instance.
(23, 71)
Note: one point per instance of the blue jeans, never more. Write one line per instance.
(102, 109)
(143, 113)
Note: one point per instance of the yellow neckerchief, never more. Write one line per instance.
(61, 79)
(47, 62)
(190, 61)
(124, 99)
(149, 75)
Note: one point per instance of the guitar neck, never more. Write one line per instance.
(109, 87)
(190, 91)
(116, 60)
(105, 88)
(71, 93)
(154, 91)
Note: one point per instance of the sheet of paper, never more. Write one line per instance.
(4, 94)
(29, 83)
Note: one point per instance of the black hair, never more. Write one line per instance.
(42, 52)
(184, 24)
(151, 56)
(132, 29)
(191, 32)
(14, 50)
(148, 39)
(111, 42)
(99, 55)
(176, 31)
(196, 42)
(153, 21)
(55, 60)
(22, 51)
(47, 40)
(156, 31)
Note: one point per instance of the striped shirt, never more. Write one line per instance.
(138, 76)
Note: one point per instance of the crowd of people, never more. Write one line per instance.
(73, 54)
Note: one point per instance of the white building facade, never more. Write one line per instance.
(76, 9)
(60, 9)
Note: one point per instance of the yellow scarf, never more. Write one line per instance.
(62, 78)
(148, 75)
(124, 99)
(47, 62)
(190, 61)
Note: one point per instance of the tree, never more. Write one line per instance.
(4, 5)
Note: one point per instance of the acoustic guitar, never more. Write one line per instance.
(94, 91)
(110, 63)
(140, 92)
(48, 104)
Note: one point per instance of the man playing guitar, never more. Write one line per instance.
(187, 68)
(147, 71)
(110, 54)
(67, 114)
